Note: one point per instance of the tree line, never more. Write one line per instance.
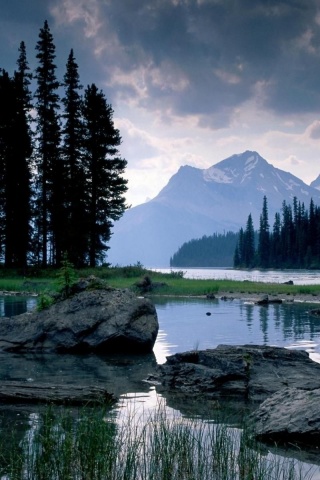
(61, 176)
(293, 242)
(215, 250)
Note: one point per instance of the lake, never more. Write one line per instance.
(299, 277)
(185, 323)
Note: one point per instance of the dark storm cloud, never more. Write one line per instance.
(200, 57)
(223, 50)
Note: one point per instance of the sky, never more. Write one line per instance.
(191, 82)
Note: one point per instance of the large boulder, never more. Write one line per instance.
(103, 320)
(250, 372)
(290, 415)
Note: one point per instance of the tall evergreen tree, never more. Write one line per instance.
(264, 237)
(249, 247)
(287, 237)
(73, 157)
(21, 231)
(50, 171)
(6, 136)
(276, 253)
(105, 186)
(15, 165)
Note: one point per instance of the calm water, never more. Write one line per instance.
(14, 305)
(184, 325)
(299, 277)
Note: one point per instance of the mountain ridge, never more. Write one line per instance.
(197, 202)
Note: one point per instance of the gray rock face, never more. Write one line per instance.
(291, 414)
(105, 320)
(250, 372)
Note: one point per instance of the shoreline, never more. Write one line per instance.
(243, 296)
(254, 297)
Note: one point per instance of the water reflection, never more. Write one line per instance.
(14, 305)
(185, 325)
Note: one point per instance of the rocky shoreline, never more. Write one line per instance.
(282, 386)
(255, 298)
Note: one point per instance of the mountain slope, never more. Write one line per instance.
(198, 202)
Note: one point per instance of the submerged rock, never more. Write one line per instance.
(102, 320)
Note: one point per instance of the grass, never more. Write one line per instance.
(161, 284)
(91, 445)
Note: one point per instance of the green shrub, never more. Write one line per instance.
(66, 276)
(45, 300)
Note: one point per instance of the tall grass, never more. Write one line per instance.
(92, 446)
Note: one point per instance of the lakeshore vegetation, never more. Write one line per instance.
(145, 281)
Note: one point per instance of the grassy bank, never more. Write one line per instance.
(91, 445)
(151, 282)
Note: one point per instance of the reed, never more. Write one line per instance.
(93, 445)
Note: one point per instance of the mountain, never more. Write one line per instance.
(198, 202)
(316, 183)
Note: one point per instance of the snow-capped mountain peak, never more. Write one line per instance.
(198, 202)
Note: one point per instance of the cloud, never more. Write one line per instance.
(205, 58)
(313, 130)
(191, 81)
(86, 12)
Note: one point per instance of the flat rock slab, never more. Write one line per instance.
(289, 415)
(103, 320)
(250, 372)
(17, 392)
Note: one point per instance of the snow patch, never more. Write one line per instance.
(250, 163)
(214, 174)
(261, 175)
(290, 185)
(304, 192)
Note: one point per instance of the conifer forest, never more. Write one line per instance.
(61, 175)
(293, 241)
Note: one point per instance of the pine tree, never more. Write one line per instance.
(287, 235)
(275, 247)
(15, 191)
(264, 237)
(249, 247)
(6, 120)
(105, 186)
(50, 169)
(73, 157)
(22, 193)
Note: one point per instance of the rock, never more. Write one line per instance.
(265, 300)
(103, 320)
(289, 282)
(290, 415)
(210, 296)
(17, 392)
(250, 372)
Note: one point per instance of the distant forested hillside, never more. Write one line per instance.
(209, 251)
